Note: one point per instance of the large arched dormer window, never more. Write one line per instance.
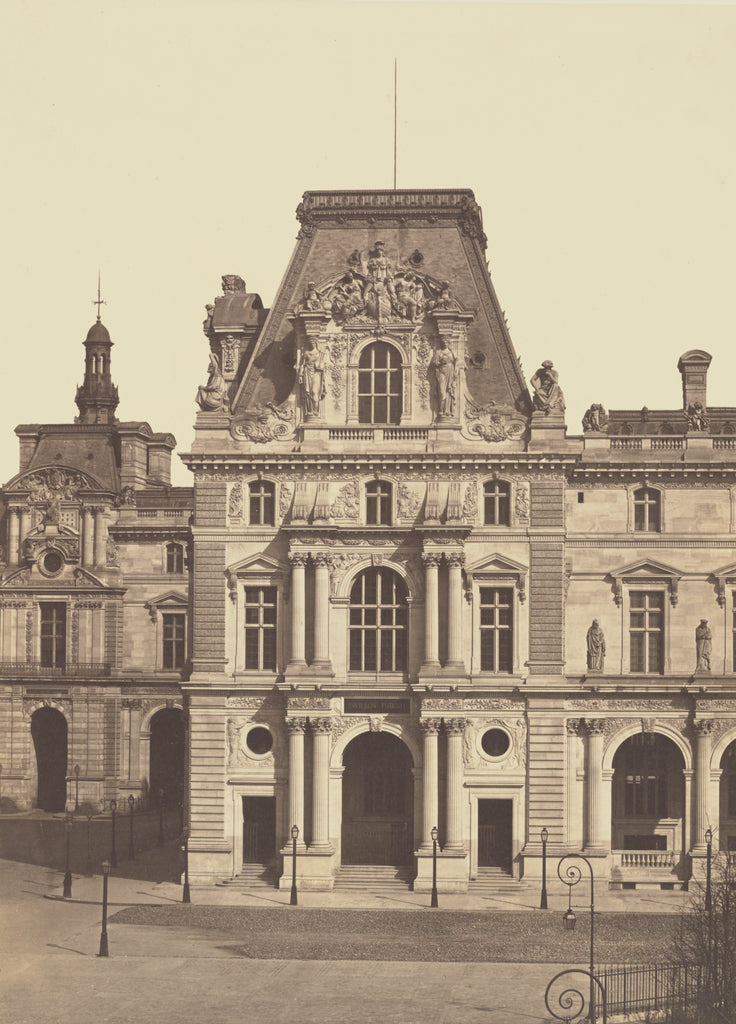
(380, 391)
(378, 621)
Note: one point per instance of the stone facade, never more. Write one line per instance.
(399, 554)
(94, 583)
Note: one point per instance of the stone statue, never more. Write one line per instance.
(212, 396)
(207, 322)
(52, 513)
(443, 362)
(409, 296)
(445, 299)
(232, 283)
(595, 419)
(347, 299)
(233, 740)
(548, 395)
(696, 418)
(379, 293)
(310, 373)
(596, 643)
(703, 646)
(312, 300)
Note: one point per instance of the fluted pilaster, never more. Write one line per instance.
(321, 610)
(701, 815)
(594, 784)
(431, 610)
(430, 779)
(298, 610)
(455, 728)
(296, 728)
(321, 733)
(455, 651)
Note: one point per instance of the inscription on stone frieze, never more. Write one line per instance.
(376, 706)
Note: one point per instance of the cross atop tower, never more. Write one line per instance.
(98, 301)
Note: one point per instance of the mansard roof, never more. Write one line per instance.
(436, 234)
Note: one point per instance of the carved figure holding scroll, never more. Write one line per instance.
(443, 362)
(596, 642)
(310, 373)
(211, 397)
(703, 646)
(548, 395)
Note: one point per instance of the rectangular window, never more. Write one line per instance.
(496, 629)
(261, 503)
(260, 628)
(645, 796)
(53, 634)
(646, 631)
(174, 639)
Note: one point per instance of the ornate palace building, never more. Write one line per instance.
(93, 608)
(419, 604)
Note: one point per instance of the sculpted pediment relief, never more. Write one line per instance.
(55, 482)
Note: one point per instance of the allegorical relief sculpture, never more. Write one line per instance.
(596, 644)
(703, 646)
(548, 395)
(595, 419)
(212, 396)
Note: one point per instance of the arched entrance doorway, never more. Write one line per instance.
(648, 794)
(49, 734)
(377, 801)
(167, 756)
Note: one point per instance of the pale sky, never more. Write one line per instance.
(168, 143)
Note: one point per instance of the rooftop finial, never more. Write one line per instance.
(98, 301)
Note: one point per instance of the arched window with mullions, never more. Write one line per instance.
(378, 616)
(379, 384)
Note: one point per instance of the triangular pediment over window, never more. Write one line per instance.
(497, 568)
(646, 570)
(724, 577)
(258, 563)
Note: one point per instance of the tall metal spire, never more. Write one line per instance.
(100, 301)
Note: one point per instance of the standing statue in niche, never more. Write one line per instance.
(703, 646)
(211, 397)
(310, 373)
(443, 362)
(596, 642)
(548, 395)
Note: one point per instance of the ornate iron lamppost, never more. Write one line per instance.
(160, 817)
(543, 901)
(68, 825)
(570, 872)
(433, 902)
(186, 896)
(103, 935)
(708, 855)
(113, 854)
(88, 867)
(131, 847)
(294, 837)
(77, 770)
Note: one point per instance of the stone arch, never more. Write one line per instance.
(50, 739)
(721, 745)
(362, 726)
(662, 728)
(345, 585)
(148, 755)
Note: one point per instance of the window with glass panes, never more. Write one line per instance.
(261, 503)
(174, 629)
(496, 629)
(53, 634)
(643, 762)
(378, 503)
(174, 558)
(646, 631)
(378, 614)
(260, 628)
(379, 384)
(728, 768)
(647, 510)
(496, 503)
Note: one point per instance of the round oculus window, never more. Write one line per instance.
(495, 742)
(52, 563)
(259, 740)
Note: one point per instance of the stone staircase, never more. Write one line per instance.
(254, 876)
(370, 877)
(492, 881)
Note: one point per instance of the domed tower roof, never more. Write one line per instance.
(97, 397)
(98, 333)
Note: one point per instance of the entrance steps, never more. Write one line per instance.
(367, 877)
(254, 876)
(495, 880)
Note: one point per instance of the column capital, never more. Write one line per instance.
(455, 558)
(431, 558)
(429, 726)
(321, 725)
(595, 726)
(322, 560)
(296, 725)
(703, 727)
(298, 559)
(455, 726)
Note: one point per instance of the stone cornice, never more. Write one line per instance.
(468, 462)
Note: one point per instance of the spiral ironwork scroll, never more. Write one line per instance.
(573, 1004)
(569, 870)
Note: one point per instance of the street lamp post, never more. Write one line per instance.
(103, 934)
(113, 855)
(88, 868)
(708, 854)
(571, 874)
(68, 824)
(131, 847)
(543, 901)
(76, 787)
(294, 837)
(186, 896)
(160, 817)
(433, 902)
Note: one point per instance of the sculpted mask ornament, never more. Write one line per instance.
(212, 396)
(548, 395)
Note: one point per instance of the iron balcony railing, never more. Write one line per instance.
(39, 671)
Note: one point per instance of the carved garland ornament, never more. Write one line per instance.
(267, 422)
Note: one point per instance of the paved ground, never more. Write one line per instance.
(50, 972)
